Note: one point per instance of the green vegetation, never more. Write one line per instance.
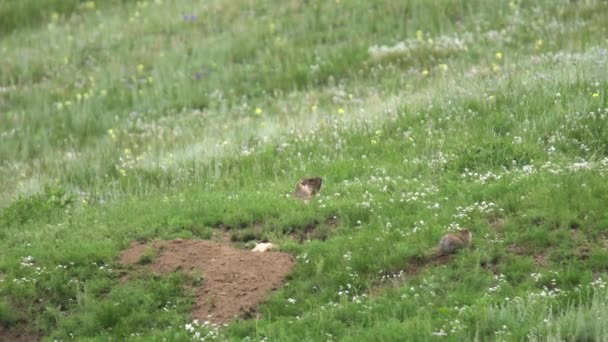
(124, 121)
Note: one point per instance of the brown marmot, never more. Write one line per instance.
(307, 188)
(452, 242)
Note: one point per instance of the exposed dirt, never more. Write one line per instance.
(234, 282)
(18, 335)
(517, 250)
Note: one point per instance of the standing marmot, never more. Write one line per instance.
(307, 188)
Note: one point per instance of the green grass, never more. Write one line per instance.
(124, 121)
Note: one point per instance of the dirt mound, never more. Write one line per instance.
(234, 281)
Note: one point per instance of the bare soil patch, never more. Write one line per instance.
(18, 335)
(234, 282)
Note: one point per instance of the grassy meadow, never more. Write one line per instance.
(126, 121)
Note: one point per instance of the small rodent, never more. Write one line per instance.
(452, 242)
(308, 187)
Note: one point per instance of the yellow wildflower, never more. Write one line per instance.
(258, 111)
(340, 111)
(140, 67)
(499, 55)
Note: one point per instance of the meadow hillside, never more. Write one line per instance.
(133, 123)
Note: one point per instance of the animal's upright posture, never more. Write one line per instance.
(307, 188)
(452, 242)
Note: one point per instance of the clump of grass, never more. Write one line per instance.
(148, 256)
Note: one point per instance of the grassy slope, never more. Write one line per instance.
(125, 121)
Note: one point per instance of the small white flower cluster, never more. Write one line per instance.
(598, 283)
(359, 299)
(388, 276)
(418, 226)
(27, 261)
(413, 196)
(500, 279)
(348, 293)
(303, 257)
(536, 276)
(455, 326)
(546, 293)
(438, 161)
(368, 200)
(24, 280)
(481, 178)
(103, 267)
(408, 47)
(503, 331)
(528, 170)
(580, 166)
(488, 209)
(206, 331)
(127, 162)
(169, 306)
(40, 271)
(439, 333)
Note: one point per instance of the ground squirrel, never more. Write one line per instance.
(308, 187)
(452, 242)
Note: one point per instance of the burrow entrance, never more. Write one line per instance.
(234, 281)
